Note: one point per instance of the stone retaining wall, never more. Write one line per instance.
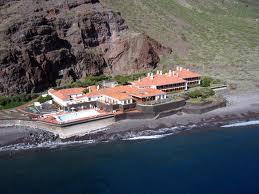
(168, 113)
(161, 107)
(136, 115)
(140, 115)
(200, 109)
(127, 107)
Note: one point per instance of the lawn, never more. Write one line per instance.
(11, 105)
(8, 102)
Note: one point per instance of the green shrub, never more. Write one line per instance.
(201, 93)
(14, 101)
(86, 91)
(94, 80)
(88, 81)
(218, 81)
(3, 100)
(207, 92)
(42, 99)
(122, 79)
(195, 94)
(58, 82)
(206, 81)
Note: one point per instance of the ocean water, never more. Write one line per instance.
(220, 161)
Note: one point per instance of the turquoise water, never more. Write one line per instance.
(78, 115)
(224, 161)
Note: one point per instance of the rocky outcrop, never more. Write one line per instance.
(133, 52)
(44, 41)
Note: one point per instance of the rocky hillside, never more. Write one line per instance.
(45, 40)
(221, 37)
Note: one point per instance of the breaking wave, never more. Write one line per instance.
(242, 124)
(157, 134)
(148, 137)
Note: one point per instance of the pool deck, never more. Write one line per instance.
(82, 127)
(52, 118)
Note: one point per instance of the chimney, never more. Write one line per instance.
(177, 75)
(157, 72)
(173, 73)
(177, 68)
(148, 74)
(98, 87)
(181, 68)
(170, 72)
(161, 73)
(151, 76)
(139, 79)
(188, 69)
(89, 89)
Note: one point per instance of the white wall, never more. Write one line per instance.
(59, 101)
(116, 101)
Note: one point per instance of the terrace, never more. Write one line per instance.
(74, 116)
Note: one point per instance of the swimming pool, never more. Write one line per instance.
(77, 115)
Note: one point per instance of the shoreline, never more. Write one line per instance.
(237, 110)
(241, 107)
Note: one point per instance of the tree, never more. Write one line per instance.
(122, 79)
(201, 93)
(206, 81)
(86, 91)
(207, 92)
(195, 94)
(42, 99)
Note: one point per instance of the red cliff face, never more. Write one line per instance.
(42, 41)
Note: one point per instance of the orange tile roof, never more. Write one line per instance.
(125, 92)
(186, 73)
(146, 92)
(64, 94)
(119, 93)
(158, 80)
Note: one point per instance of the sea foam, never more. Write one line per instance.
(241, 124)
(148, 137)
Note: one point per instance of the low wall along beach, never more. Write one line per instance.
(155, 109)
